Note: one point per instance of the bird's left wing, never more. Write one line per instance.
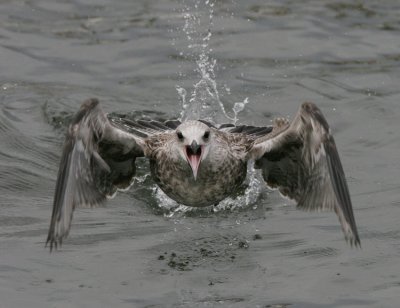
(301, 160)
(98, 159)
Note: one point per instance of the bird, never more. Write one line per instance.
(198, 163)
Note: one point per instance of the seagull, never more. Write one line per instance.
(199, 164)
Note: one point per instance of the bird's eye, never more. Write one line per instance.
(206, 135)
(180, 136)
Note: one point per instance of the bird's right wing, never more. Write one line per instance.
(98, 159)
(301, 160)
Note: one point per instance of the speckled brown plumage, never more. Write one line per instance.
(219, 176)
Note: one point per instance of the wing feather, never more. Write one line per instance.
(98, 158)
(253, 132)
(143, 128)
(302, 161)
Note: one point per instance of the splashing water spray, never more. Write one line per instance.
(203, 101)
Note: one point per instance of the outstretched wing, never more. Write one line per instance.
(98, 159)
(301, 160)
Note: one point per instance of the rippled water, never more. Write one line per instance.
(133, 56)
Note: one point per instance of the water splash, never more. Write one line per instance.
(239, 107)
(204, 100)
(166, 202)
(249, 197)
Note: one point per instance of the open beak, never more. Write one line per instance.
(193, 156)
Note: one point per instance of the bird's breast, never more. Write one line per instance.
(214, 182)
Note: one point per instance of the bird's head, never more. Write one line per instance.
(193, 138)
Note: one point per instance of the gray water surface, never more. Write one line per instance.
(135, 252)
